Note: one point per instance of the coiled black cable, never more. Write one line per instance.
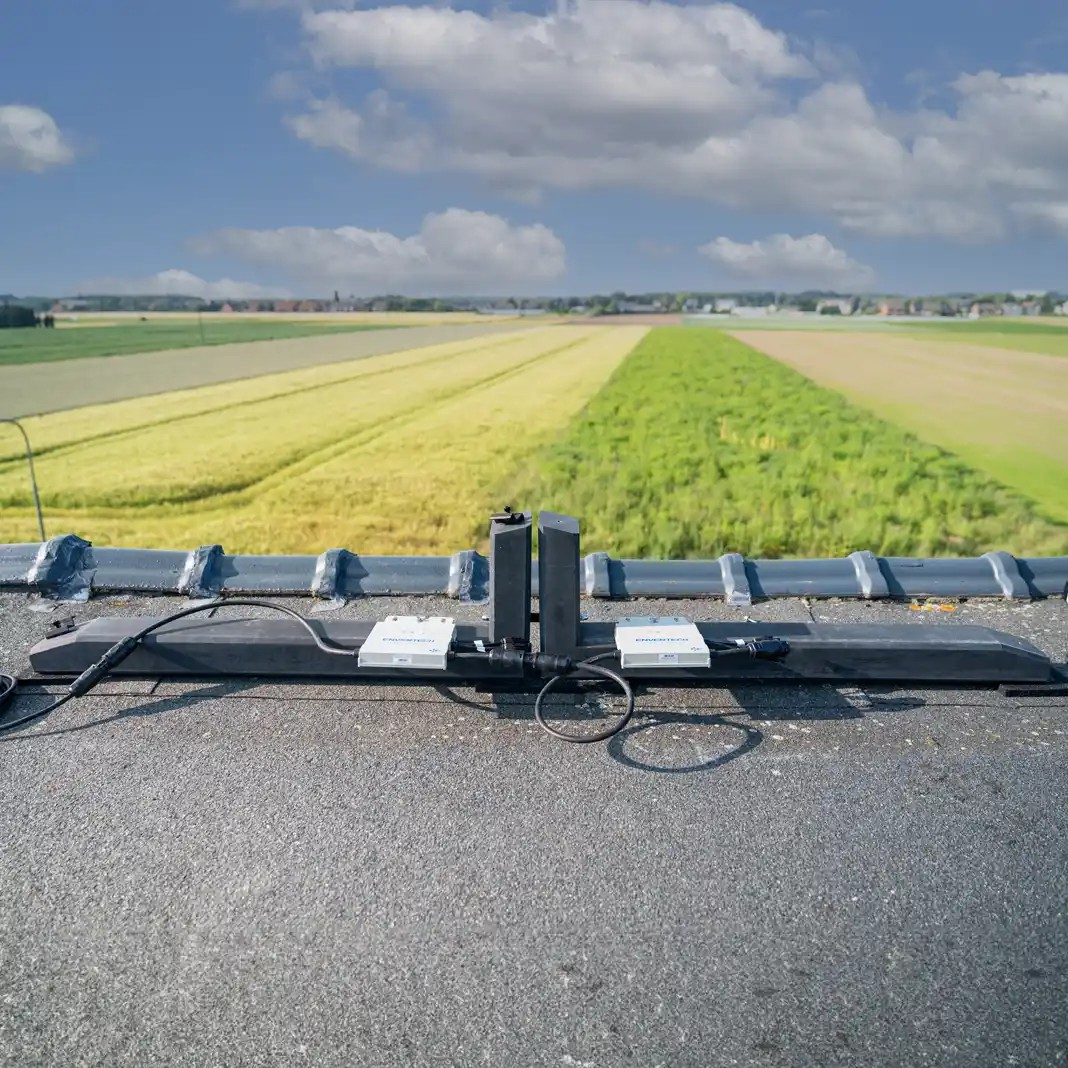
(593, 667)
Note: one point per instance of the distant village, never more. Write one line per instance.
(751, 304)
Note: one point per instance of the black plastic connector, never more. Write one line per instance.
(95, 672)
(768, 648)
(63, 625)
(528, 662)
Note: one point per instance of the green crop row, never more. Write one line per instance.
(699, 445)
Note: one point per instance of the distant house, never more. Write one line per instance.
(744, 312)
(632, 307)
(893, 307)
(285, 305)
(1010, 307)
(845, 307)
(725, 304)
(690, 305)
(227, 308)
(1061, 309)
(980, 309)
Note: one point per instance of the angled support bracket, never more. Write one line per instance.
(558, 583)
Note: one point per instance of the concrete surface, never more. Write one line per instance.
(273, 873)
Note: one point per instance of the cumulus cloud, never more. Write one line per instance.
(455, 251)
(179, 283)
(696, 100)
(812, 262)
(30, 140)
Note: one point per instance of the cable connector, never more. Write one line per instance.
(62, 625)
(95, 672)
(768, 648)
(530, 663)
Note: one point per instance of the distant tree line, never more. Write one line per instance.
(16, 316)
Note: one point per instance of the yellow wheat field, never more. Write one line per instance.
(389, 454)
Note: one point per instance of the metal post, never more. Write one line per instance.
(33, 474)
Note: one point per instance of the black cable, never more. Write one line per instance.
(121, 650)
(8, 685)
(594, 668)
(224, 602)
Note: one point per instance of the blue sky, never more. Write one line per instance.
(566, 147)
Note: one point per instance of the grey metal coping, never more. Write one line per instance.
(69, 568)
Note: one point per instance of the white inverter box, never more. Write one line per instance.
(660, 641)
(413, 642)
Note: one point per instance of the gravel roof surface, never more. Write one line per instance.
(246, 872)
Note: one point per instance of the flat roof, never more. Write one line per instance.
(242, 871)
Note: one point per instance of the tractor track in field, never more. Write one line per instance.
(237, 493)
(18, 458)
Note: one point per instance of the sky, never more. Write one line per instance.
(238, 148)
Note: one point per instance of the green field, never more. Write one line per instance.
(699, 445)
(75, 343)
(1021, 336)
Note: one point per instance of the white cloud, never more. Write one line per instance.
(695, 100)
(383, 132)
(179, 283)
(455, 251)
(811, 262)
(30, 140)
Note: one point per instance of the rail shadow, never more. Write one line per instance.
(147, 705)
(583, 708)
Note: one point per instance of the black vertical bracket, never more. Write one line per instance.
(509, 588)
(558, 583)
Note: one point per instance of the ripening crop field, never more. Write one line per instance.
(670, 442)
(395, 453)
